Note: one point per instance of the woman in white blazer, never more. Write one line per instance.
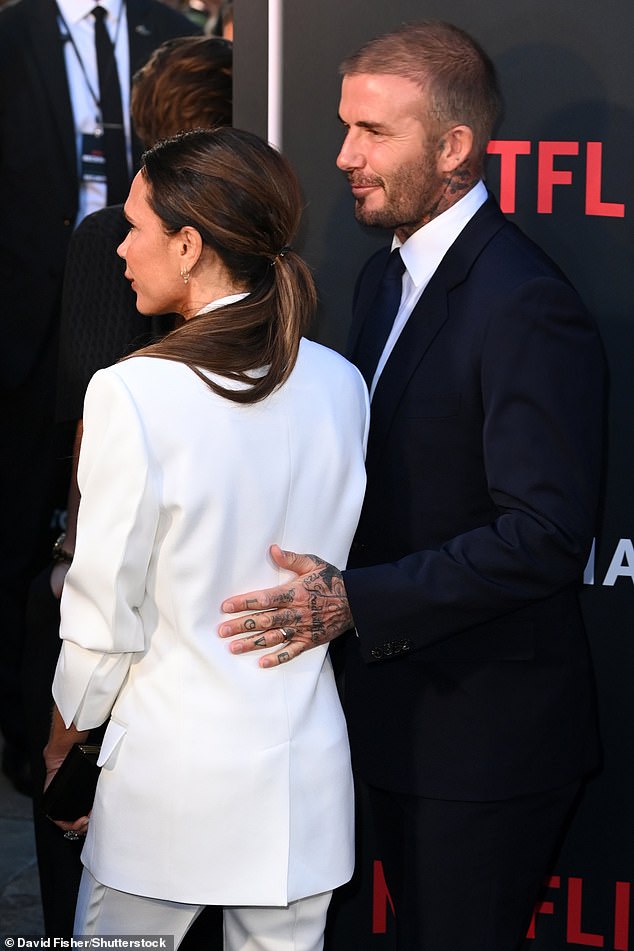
(221, 783)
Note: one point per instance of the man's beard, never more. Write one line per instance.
(411, 197)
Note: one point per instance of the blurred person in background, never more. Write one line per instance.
(224, 20)
(66, 149)
(201, 12)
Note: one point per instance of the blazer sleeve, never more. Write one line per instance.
(101, 625)
(542, 386)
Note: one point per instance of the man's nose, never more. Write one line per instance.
(350, 155)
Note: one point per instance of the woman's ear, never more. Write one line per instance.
(455, 148)
(190, 247)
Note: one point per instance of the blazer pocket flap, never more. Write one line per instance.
(112, 737)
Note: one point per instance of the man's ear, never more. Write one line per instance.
(455, 148)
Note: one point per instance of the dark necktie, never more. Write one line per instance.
(117, 174)
(378, 323)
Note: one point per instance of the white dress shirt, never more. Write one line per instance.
(83, 83)
(422, 253)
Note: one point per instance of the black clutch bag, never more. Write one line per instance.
(71, 792)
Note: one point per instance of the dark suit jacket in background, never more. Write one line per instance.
(38, 165)
(470, 678)
(39, 189)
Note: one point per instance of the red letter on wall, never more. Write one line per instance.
(574, 934)
(547, 176)
(508, 150)
(380, 899)
(543, 907)
(622, 917)
(594, 205)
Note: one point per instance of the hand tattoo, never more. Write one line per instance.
(326, 597)
(286, 597)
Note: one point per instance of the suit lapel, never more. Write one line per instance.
(141, 41)
(427, 320)
(141, 38)
(48, 56)
(365, 292)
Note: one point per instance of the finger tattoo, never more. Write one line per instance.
(286, 597)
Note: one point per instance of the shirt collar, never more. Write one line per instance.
(221, 302)
(425, 249)
(75, 10)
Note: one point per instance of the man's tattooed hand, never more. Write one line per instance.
(310, 610)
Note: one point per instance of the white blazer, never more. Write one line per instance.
(222, 783)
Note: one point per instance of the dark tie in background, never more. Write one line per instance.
(379, 321)
(117, 174)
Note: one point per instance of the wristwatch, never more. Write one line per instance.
(59, 553)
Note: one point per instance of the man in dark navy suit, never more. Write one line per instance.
(468, 685)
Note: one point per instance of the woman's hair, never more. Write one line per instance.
(456, 77)
(185, 84)
(244, 200)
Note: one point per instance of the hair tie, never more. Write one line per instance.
(281, 253)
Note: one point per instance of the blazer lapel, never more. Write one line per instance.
(427, 320)
(140, 34)
(365, 291)
(141, 41)
(47, 50)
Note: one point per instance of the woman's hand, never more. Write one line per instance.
(60, 741)
(76, 829)
(58, 574)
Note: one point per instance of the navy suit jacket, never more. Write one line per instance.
(38, 165)
(470, 677)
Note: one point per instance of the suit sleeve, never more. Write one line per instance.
(101, 626)
(542, 390)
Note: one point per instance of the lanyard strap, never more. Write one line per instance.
(66, 32)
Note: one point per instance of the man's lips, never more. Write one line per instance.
(363, 187)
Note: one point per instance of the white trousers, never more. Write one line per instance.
(298, 926)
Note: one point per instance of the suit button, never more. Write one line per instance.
(406, 645)
(377, 653)
(358, 546)
(388, 650)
